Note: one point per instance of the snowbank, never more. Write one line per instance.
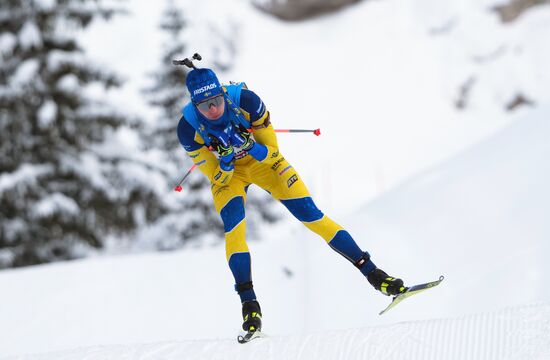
(513, 333)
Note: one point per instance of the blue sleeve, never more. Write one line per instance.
(252, 104)
(186, 136)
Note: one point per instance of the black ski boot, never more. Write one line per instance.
(384, 283)
(252, 316)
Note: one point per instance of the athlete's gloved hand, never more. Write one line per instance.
(223, 147)
(241, 138)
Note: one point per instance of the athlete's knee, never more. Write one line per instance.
(304, 209)
(234, 224)
(232, 213)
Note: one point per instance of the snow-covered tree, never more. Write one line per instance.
(68, 178)
(193, 214)
(167, 93)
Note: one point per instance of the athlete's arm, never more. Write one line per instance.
(207, 162)
(263, 131)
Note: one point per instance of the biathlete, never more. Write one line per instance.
(235, 123)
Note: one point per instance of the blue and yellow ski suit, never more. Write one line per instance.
(268, 169)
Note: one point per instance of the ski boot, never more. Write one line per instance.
(384, 283)
(252, 316)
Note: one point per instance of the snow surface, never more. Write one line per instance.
(513, 333)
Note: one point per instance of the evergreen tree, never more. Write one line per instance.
(65, 185)
(167, 93)
(193, 213)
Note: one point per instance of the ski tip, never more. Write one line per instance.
(441, 278)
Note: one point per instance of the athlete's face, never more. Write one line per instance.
(213, 108)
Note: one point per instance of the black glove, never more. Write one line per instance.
(225, 150)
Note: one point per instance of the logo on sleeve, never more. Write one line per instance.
(285, 169)
(292, 180)
(277, 164)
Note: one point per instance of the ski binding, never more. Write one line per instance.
(249, 336)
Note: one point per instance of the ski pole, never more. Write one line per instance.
(178, 187)
(317, 132)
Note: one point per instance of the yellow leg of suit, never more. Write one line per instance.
(284, 183)
(235, 226)
(229, 201)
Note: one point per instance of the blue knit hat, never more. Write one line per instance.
(202, 84)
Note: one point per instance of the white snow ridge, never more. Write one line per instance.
(513, 333)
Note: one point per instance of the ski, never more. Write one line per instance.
(413, 290)
(249, 336)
